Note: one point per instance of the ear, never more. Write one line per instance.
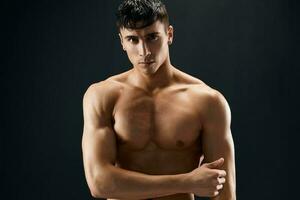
(170, 33)
(121, 40)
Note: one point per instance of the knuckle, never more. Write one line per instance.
(221, 173)
(215, 193)
(219, 187)
(221, 180)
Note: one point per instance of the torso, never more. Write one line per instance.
(158, 134)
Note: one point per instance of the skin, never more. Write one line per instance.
(148, 131)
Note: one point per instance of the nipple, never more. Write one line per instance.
(179, 143)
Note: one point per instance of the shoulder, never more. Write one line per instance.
(199, 90)
(102, 95)
(210, 102)
(217, 102)
(106, 92)
(106, 88)
(209, 94)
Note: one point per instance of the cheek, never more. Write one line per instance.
(132, 49)
(132, 54)
(161, 51)
(158, 46)
(156, 49)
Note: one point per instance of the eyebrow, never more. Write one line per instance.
(134, 36)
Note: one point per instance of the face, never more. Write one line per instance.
(147, 48)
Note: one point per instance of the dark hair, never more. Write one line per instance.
(137, 14)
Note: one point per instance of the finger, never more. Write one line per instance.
(219, 187)
(216, 193)
(221, 180)
(216, 163)
(221, 173)
(201, 159)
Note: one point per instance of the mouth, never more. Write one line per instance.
(146, 62)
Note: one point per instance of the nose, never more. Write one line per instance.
(144, 49)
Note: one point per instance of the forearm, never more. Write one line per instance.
(115, 182)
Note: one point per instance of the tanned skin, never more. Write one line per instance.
(155, 132)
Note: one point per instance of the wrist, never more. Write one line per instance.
(184, 183)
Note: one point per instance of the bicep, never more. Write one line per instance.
(216, 135)
(217, 147)
(98, 139)
(217, 139)
(98, 148)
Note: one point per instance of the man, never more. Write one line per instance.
(146, 129)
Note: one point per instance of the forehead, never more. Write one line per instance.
(157, 26)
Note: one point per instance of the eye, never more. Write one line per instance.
(133, 40)
(152, 37)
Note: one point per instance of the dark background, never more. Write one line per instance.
(53, 50)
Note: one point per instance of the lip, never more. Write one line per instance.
(147, 62)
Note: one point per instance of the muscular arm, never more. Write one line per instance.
(99, 155)
(217, 141)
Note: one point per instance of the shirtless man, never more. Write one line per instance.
(148, 131)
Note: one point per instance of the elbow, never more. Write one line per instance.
(101, 187)
(96, 194)
(96, 190)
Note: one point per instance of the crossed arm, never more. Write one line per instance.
(99, 153)
(99, 156)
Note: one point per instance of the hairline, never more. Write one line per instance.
(165, 23)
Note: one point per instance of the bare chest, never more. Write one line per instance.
(166, 121)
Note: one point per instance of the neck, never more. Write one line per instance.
(152, 82)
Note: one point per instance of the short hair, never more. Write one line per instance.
(137, 14)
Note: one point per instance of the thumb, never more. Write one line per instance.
(201, 160)
(215, 164)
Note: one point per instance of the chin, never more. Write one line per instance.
(149, 71)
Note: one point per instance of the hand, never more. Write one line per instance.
(208, 179)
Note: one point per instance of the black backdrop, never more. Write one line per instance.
(53, 50)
